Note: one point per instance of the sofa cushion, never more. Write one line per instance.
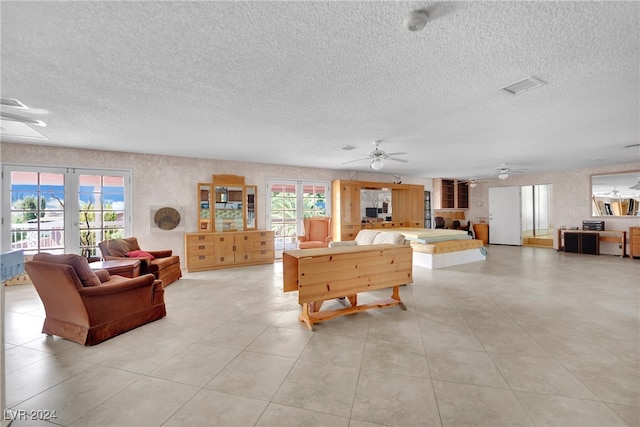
(390, 238)
(140, 254)
(160, 263)
(79, 264)
(366, 237)
(120, 247)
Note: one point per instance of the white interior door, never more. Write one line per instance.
(505, 223)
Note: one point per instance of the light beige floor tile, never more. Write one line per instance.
(147, 353)
(471, 405)
(37, 377)
(543, 323)
(287, 416)
(233, 335)
(338, 350)
(464, 366)
(390, 399)
(146, 402)
(539, 375)
(51, 344)
(630, 414)
(508, 341)
(319, 387)
(213, 408)
(613, 384)
(486, 319)
(281, 342)
(359, 423)
(628, 351)
(253, 375)
(405, 358)
(79, 394)
(450, 336)
(578, 348)
(560, 411)
(18, 357)
(441, 316)
(196, 365)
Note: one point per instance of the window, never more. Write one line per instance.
(45, 216)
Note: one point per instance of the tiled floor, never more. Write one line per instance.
(529, 337)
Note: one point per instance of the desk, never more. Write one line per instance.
(613, 236)
(125, 267)
(323, 274)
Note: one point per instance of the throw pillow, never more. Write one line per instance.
(120, 247)
(140, 254)
(79, 264)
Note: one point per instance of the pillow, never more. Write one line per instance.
(103, 275)
(79, 264)
(140, 254)
(120, 247)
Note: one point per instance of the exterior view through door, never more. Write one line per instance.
(291, 201)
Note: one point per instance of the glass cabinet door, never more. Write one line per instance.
(204, 207)
(229, 208)
(250, 206)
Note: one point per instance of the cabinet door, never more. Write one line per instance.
(243, 247)
(350, 204)
(204, 207)
(224, 244)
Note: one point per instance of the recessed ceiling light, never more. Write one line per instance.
(348, 147)
(524, 85)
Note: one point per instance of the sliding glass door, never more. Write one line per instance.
(290, 201)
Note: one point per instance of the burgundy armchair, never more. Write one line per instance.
(162, 264)
(90, 307)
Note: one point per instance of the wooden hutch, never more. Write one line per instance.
(227, 233)
(407, 201)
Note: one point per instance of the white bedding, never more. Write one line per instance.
(431, 235)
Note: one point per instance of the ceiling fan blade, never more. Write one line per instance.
(395, 154)
(357, 160)
(396, 159)
(23, 119)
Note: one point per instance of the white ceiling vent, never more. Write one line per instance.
(348, 147)
(524, 85)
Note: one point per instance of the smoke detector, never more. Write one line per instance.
(416, 20)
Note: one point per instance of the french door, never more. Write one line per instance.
(290, 201)
(63, 210)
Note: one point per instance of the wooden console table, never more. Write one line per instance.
(323, 274)
(613, 236)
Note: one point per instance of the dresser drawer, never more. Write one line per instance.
(198, 261)
(199, 239)
(263, 254)
(261, 245)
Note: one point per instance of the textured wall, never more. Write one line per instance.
(172, 181)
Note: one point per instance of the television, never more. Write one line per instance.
(371, 212)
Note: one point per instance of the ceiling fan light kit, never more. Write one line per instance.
(376, 164)
(503, 175)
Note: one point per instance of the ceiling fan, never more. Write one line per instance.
(377, 156)
(503, 171)
(473, 182)
(11, 105)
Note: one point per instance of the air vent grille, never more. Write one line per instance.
(524, 85)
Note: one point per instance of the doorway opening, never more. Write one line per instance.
(536, 215)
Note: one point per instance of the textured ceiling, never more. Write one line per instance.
(291, 82)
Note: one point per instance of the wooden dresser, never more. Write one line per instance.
(210, 251)
(634, 242)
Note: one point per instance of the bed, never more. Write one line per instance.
(439, 248)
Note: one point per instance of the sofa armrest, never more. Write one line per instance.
(346, 243)
(161, 254)
(118, 284)
(328, 240)
(303, 239)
